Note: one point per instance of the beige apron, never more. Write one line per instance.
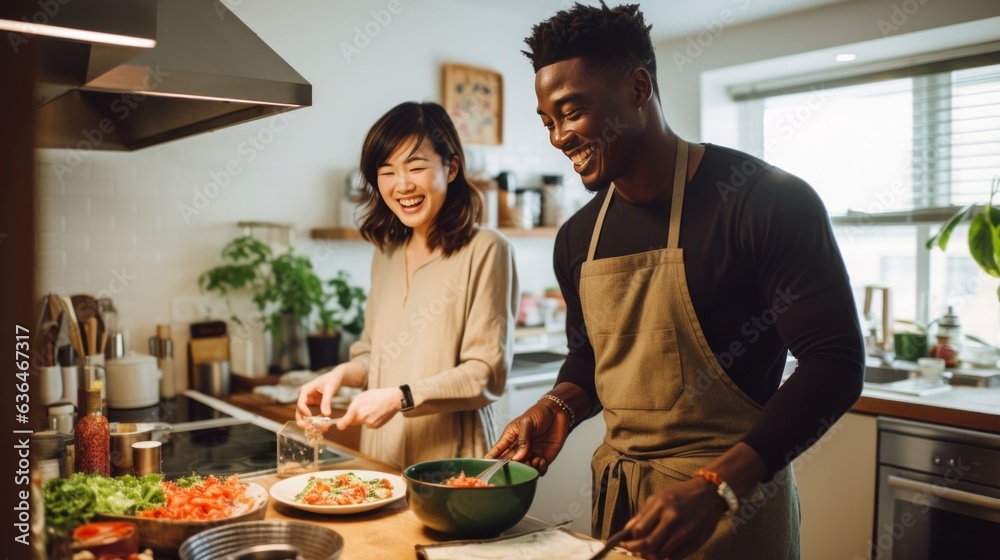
(669, 407)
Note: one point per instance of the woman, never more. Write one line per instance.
(438, 336)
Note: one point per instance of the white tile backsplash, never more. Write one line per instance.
(62, 241)
(91, 187)
(52, 259)
(48, 223)
(108, 206)
(112, 241)
(90, 259)
(63, 205)
(90, 224)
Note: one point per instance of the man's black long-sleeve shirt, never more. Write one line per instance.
(765, 276)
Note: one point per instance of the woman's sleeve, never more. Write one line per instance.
(487, 345)
(361, 350)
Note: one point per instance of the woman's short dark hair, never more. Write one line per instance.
(455, 224)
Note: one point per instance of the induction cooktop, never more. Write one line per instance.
(204, 440)
(179, 409)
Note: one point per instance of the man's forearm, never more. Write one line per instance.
(575, 397)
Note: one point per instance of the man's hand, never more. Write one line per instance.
(677, 521)
(373, 408)
(539, 435)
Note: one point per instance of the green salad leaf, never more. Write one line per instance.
(72, 501)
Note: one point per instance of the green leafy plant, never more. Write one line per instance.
(342, 307)
(984, 233)
(285, 284)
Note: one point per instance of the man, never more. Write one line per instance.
(687, 279)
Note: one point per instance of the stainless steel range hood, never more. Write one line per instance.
(207, 71)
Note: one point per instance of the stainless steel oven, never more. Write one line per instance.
(938, 493)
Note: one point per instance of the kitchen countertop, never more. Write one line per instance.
(962, 407)
(387, 532)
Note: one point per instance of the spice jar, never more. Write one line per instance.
(93, 438)
(945, 350)
(949, 338)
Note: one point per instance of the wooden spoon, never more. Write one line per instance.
(91, 329)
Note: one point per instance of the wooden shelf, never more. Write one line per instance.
(350, 234)
(544, 231)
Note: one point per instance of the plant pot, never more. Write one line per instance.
(324, 351)
(288, 345)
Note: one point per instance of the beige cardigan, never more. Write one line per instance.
(450, 337)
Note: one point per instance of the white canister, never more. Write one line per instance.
(133, 381)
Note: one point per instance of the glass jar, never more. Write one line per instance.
(93, 438)
(945, 350)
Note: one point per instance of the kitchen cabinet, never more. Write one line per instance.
(836, 482)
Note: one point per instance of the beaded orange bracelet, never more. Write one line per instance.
(722, 489)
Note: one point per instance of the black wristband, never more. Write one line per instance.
(406, 403)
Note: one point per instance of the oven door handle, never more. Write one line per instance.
(960, 496)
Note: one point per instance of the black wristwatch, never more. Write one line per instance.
(406, 403)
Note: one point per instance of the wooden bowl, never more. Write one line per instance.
(165, 536)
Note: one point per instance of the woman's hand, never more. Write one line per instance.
(373, 408)
(677, 521)
(539, 435)
(319, 391)
(323, 388)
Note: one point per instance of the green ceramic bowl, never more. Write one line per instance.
(469, 512)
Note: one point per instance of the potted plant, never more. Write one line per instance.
(984, 233)
(339, 309)
(285, 290)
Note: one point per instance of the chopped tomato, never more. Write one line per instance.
(213, 499)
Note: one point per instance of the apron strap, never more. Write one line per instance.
(674, 234)
(600, 222)
(680, 178)
(620, 481)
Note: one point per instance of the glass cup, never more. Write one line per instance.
(931, 367)
(303, 451)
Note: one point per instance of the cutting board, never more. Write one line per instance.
(201, 350)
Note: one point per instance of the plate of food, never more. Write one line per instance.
(340, 491)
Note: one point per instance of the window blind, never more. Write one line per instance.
(902, 146)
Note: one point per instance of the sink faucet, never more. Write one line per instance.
(879, 347)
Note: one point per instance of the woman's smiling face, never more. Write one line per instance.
(414, 183)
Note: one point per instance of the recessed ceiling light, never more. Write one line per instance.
(845, 57)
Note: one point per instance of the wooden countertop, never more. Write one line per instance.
(391, 531)
(962, 407)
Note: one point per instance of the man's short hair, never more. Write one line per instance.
(613, 37)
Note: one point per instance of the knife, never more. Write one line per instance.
(612, 542)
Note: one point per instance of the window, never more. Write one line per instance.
(892, 155)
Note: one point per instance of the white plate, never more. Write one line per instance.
(286, 490)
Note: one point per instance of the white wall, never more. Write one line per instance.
(728, 41)
(113, 222)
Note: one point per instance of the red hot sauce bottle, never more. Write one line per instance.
(93, 438)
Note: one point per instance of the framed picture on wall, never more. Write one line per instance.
(473, 98)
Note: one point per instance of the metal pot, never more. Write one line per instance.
(123, 435)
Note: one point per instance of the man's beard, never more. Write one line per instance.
(597, 187)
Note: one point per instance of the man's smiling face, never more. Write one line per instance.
(590, 116)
